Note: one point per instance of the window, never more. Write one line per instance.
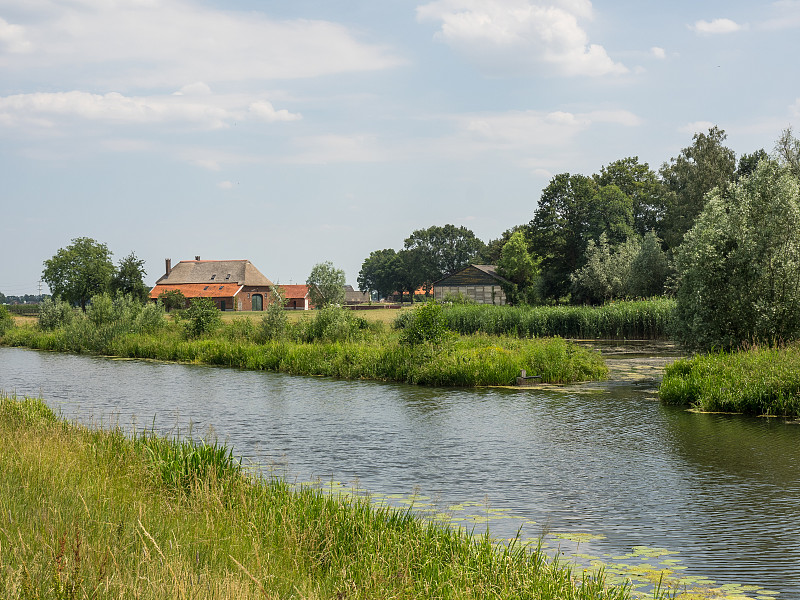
(213, 277)
(220, 287)
(228, 276)
(205, 288)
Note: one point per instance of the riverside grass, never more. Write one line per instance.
(477, 360)
(90, 514)
(642, 319)
(754, 381)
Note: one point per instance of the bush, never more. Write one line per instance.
(6, 320)
(54, 314)
(151, 318)
(202, 317)
(426, 324)
(172, 299)
(275, 321)
(332, 324)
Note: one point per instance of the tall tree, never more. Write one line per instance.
(379, 272)
(443, 250)
(79, 271)
(698, 169)
(326, 284)
(641, 184)
(410, 270)
(518, 267)
(129, 278)
(787, 147)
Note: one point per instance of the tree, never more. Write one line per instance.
(172, 299)
(787, 148)
(129, 278)
(202, 317)
(379, 273)
(641, 184)
(410, 271)
(79, 271)
(518, 267)
(698, 169)
(607, 271)
(443, 250)
(326, 285)
(739, 266)
(650, 269)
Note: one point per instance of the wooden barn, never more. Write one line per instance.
(231, 284)
(480, 283)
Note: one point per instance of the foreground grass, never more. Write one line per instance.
(755, 381)
(461, 361)
(93, 514)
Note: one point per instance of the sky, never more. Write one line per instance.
(292, 133)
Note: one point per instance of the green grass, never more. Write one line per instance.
(369, 352)
(91, 514)
(755, 381)
(645, 319)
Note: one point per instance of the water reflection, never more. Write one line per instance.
(605, 460)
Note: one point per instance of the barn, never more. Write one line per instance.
(479, 283)
(231, 284)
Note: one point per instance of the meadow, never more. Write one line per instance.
(92, 513)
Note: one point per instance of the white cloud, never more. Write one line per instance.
(697, 127)
(166, 43)
(199, 111)
(717, 26)
(264, 111)
(13, 38)
(659, 53)
(225, 185)
(514, 35)
(198, 88)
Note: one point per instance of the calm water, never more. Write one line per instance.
(721, 491)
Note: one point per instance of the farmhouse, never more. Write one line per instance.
(480, 283)
(296, 297)
(231, 284)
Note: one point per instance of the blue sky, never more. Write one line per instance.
(289, 133)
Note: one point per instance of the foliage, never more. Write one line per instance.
(275, 320)
(79, 271)
(641, 184)
(172, 299)
(787, 149)
(129, 278)
(55, 313)
(607, 271)
(379, 273)
(326, 285)
(6, 320)
(411, 271)
(332, 324)
(519, 268)
(443, 250)
(650, 269)
(426, 324)
(755, 381)
(739, 267)
(698, 169)
(202, 317)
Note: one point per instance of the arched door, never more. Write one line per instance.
(258, 302)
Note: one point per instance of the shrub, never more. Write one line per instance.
(151, 318)
(202, 317)
(172, 299)
(427, 323)
(332, 324)
(54, 314)
(6, 320)
(275, 321)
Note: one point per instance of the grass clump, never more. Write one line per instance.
(88, 514)
(755, 381)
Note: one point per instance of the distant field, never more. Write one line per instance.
(383, 315)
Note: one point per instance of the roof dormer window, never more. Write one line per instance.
(228, 276)
(213, 277)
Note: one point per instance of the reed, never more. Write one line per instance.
(644, 319)
(88, 514)
(756, 381)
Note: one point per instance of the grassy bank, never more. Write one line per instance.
(646, 319)
(329, 344)
(93, 514)
(756, 381)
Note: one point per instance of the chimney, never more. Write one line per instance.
(169, 265)
(197, 258)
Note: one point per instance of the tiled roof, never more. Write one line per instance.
(294, 291)
(241, 272)
(199, 290)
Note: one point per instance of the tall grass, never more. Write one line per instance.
(755, 381)
(342, 348)
(89, 514)
(645, 319)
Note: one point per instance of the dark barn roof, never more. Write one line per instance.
(473, 275)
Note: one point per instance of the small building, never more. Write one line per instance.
(479, 283)
(296, 297)
(353, 296)
(231, 284)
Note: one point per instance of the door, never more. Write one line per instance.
(258, 302)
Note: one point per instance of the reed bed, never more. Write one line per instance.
(645, 319)
(89, 514)
(478, 360)
(754, 381)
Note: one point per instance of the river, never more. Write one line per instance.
(604, 470)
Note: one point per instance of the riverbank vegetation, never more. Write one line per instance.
(754, 381)
(96, 514)
(333, 342)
